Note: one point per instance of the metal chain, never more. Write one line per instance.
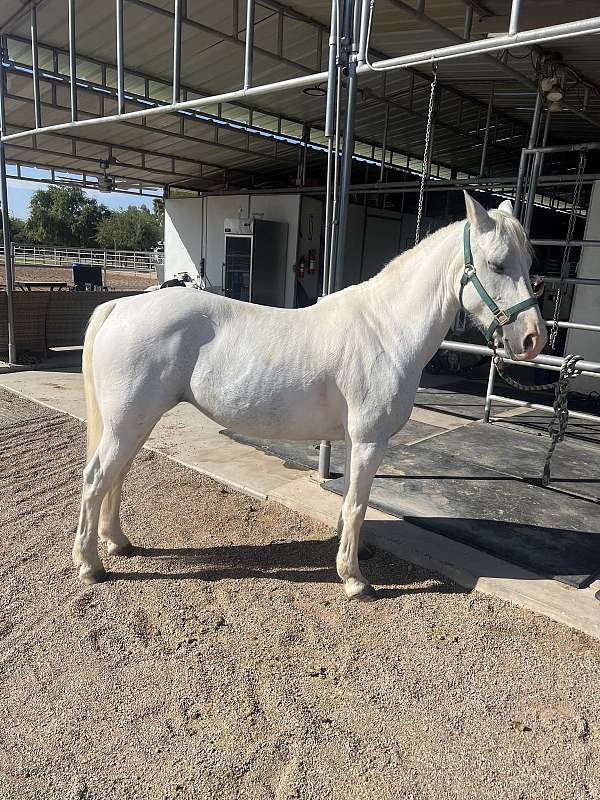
(560, 419)
(425, 156)
(564, 268)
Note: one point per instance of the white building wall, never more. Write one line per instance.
(194, 229)
(182, 236)
(586, 299)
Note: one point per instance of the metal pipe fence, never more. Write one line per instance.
(125, 260)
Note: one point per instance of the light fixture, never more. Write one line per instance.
(552, 89)
(314, 91)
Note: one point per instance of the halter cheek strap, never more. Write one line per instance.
(469, 275)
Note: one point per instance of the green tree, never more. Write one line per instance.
(131, 229)
(17, 230)
(64, 216)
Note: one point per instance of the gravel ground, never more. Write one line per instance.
(122, 281)
(222, 659)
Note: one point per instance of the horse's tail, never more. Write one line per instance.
(94, 417)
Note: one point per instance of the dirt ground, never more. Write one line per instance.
(222, 659)
(122, 281)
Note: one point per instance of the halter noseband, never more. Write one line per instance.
(469, 275)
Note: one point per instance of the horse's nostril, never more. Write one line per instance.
(528, 343)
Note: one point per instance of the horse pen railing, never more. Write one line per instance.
(123, 260)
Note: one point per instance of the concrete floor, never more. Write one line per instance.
(191, 439)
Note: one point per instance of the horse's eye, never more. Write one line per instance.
(496, 267)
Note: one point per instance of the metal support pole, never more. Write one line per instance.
(120, 65)
(364, 28)
(536, 169)
(489, 392)
(331, 131)
(72, 61)
(249, 56)
(486, 135)
(384, 141)
(8, 262)
(37, 108)
(468, 23)
(515, 13)
(347, 149)
(177, 51)
(533, 135)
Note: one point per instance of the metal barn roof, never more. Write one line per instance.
(255, 143)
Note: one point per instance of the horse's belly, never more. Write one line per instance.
(261, 408)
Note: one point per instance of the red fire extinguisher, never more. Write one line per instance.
(301, 267)
(312, 262)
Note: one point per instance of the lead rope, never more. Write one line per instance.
(564, 268)
(560, 418)
(425, 169)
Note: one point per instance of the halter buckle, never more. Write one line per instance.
(501, 317)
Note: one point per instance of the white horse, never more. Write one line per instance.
(347, 368)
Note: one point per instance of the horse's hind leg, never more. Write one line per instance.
(103, 474)
(364, 461)
(109, 526)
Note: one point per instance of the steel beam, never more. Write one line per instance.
(177, 51)
(249, 44)
(6, 234)
(35, 74)
(72, 62)
(120, 59)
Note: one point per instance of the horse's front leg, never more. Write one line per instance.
(365, 458)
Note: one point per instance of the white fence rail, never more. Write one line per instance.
(128, 260)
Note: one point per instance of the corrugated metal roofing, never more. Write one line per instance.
(287, 45)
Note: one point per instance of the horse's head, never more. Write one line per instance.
(501, 257)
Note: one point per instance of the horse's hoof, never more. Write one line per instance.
(365, 552)
(356, 590)
(90, 576)
(119, 549)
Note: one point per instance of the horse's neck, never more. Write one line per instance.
(416, 299)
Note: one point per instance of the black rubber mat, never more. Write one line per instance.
(433, 485)
(306, 454)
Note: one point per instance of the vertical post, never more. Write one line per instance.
(249, 56)
(486, 136)
(533, 135)
(535, 174)
(347, 147)
(515, 13)
(177, 51)
(384, 141)
(8, 263)
(104, 269)
(37, 109)
(364, 30)
(489, 391)
(468, 23)
(120, 66)
(331, 124)
(72, 61)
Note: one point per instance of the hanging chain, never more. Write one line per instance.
(560, 418)
(426, 155)
(564, 268)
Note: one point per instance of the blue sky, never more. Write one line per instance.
(20, 193)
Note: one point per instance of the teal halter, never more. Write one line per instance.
(469, 275)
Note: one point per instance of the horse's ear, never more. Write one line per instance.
(507, 207)
(477, 215)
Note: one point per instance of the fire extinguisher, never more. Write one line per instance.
(301, 267)
(312, 262)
